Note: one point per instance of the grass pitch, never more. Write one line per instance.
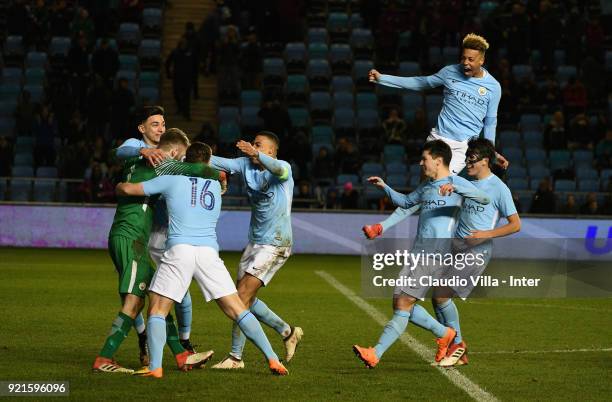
(59, 305)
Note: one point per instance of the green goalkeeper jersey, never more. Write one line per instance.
(134, 215)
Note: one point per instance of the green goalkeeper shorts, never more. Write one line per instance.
(131, 259)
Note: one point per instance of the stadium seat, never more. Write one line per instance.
(128, 36)
(433, 103)
(514, 155)
(9, 91)
(366, 100)
(588, 185)
(320, 107)
(535, 182)
(518, 183)
(530, 121)
(274, 71)
(128, 62)
(450, 55)
(299, 117)
(250, 98)
(343, 100)
(582, 158)
(7, 108)
(148, 95)
(229, 132)
(564, 73)
(535, 154)
(395, 181)
(515, 171)
(367, 121)
(317, 35)
(47, 172)
(409, 69)
(344, 121)
(411, 101)
(372, 169)
(316, 147)
(23, 159)
(586, 173)
(322, 135)
(565, 185)
(295, 57)
(342, 83)
(520, 71)
(44, 191)
(362, 42)
(317, 50)
(533, 139)
(559, 159)
(414, 181)
(7, 126)
(341, 58)
(605, 175)
(341, 179)
(151, 22)
(130, 76)
(36, 91)
(415, 169)
(509, 139)
(148, 79)
(149, 54)
(538, 172)
(356, 21)
(394, 153)
(487, 7)
(338, 26)
(319, 73)
(36, 60)
(21, 189)
(249, 118)
(435, 57)
(3, 189)
(296, 89)
(396, 167)
(13, 50)
(58, 49)
(559, 56)
(12, 76)
(361, 68)
(229, 114)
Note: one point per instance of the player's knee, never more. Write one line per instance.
(132, 305)
(403, 303)
(436, 301)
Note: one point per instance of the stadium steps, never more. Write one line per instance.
(203, 109)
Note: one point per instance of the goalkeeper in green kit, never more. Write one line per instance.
(127, 244)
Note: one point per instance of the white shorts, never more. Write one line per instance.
(157, 245)
(459, 149)
(262, 261)
(182, 263)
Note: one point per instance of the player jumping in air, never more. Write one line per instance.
(435, 228)
(469, 106)
(476, 221)
(269, 185)
(127, 242)
(194, 205)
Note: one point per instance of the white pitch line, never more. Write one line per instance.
(513, 352)
(454, 376)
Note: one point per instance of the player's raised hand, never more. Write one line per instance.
(501, 161)
(223, 181)
(373, 75)
(377, 181)
(155, 156)
(446, 189)
(247, 148)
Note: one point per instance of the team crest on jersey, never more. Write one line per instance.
(142, 286)
(482, 91)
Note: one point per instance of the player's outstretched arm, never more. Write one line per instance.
(131, 149)
(398, 199)
(276, 167)
(129, 189)
(413, 83)
(513, 226)
(465, 189)
(399, 215)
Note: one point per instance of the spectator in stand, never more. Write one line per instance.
(209, 35)
(82, 25)
(418, 129)
(603, 151)
(395, 128)
(347, 157)
(580, 133)
(76, 128)
(179, 68)
(323, 164)
(74, 159)
(550, 96)
(517, 202)
(518, 35)
(105, 62)
(99, 154)
(331, 201)
(99, 99)
(390, 25)
(78, 62)
(251, 57)
(40, 23)
(555, 134)
(122, 105)
(24, 114)
(131, 10)
(298, 152)
(525, 95)
(570, 207)
(595, 38)
(275, 118)
(45, 131)
(228, 60)
(207, 135)
(63, 105)
(548, 26)
(590, 207)
(574, 34)
(593, 73)
(350, 197)
(193, 43)
(385, 204)
(6, 156)
(60, 18)
(574, 97)
(97, 188)
(302, 199)
(544, 199)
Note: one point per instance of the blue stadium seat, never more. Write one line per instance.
(149, 54)
(564, 73)
(361, 39)
(22, 171)
(318, 50)
(229, 132)
(36, 91)
(316, 147)
(530, 121)
(509, 138)
(151, 21)
(565, 185)
(341, 179)
(435, 56)
(412, 100)
(341, 58)
(229, 114)
(415, 169)
(317, 35)
(47, 172)
(409, 69)
(372, 169)
(588, 185)
(404, 46)
(320, 106)
(520, 71)
(367, 119)
(394, 153)
(250, 98)
(295, 56)
(21, 189)
(12, 76)
(415, 180)
(59, 47)
(36, 60)
(274, 70)
(450, 55)
(559, 159)
(337, 22)
(533, 139)
(396, 181)
(515, 171)
(23, 159)
(128, 62)
(148, 79)
(296, 89)
(319, 73)
(535, 154)
(9, 91)
(342, 83)
(356, 21)
(514, 155)
(7, 126)
(583, 158)
(130, 76)
(148, 95)
(360, 74)
(344, 119)
(535, 182)
(7, 107)
(605, 175)
(249, 118)
(586, 173)
(433, 103)
(518, 183)
(44, 191)
(525, 198)
(396, 168)
(487, 7)
(128, 36)
(13, 50)
(3, 189)
(559, 56)
(299, 117)
(343, 100)
(322, 135)
(538, 172)
(366, 100)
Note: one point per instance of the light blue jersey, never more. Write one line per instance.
(270, 196)
(194, 206)
(476, 216)
(469, 105)
(439, 213)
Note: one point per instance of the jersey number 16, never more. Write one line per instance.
(207, 198)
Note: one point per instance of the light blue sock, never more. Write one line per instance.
(183, 312)
(139, 324)
(252, 329)
(439, 315)
(393, 330)
(423, 319)
(449, 311)
(238, 341)
(269, 317)
(156, 339)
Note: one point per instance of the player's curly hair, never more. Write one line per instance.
(198, 152)
(475, 42)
